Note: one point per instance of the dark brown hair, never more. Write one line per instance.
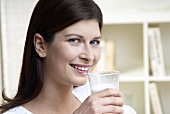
(48, 17)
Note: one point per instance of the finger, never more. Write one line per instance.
(117, 101)
(111, 109)
(109, 92)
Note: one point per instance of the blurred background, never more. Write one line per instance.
(126, 24)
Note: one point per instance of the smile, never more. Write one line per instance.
(81, 69)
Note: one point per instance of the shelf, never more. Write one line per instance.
(128, 40)
(135, 18)
(159, 79)
(133, 73)
(132, 57)
(164, 93)
(131, 79)
(134, 96)
(122, 11)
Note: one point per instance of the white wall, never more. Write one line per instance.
(0, 58)
(14, 22)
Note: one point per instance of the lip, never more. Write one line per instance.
(81, 69)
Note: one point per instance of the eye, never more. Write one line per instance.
(73, 40)
(95, 42)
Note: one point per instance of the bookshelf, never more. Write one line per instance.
(128, 26)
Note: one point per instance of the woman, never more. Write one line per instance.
(62, 46)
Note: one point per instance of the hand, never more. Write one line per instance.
(108, 101)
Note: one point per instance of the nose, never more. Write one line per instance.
(87, 53)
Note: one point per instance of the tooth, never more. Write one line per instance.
(80, 68)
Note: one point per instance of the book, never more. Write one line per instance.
(107, 60)
(156, 52)
(101, 64)
(155, 100)
(110, 54)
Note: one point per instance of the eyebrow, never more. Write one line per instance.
(98, 37)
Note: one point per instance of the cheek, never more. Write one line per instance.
(69, 53)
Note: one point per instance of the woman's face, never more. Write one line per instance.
(74, 52)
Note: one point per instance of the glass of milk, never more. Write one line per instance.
(103, 79)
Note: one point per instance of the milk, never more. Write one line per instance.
(100, 87)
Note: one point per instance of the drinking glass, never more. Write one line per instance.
(103, 79)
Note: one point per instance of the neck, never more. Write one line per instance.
(54, 99)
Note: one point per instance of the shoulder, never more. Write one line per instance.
(18, 110)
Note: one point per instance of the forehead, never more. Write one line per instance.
(84, 26)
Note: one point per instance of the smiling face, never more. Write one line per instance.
(74, 52)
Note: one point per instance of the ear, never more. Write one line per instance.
(40, 45)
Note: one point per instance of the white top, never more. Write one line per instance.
(18, 110)
(81, 92)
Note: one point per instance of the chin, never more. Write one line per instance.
(80, 82)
